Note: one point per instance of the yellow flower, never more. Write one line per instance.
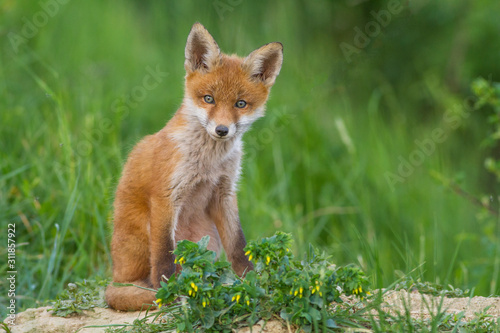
(295, 293)
(195, 287)
(248, 303)
(248, 252)
(236, 297)
(313, 291)
(204, 304)
(268, 260)
(321, 294)
(190, 292)
(317, 288)
(250, 258)
(368, 293)
(360, 290)
(179, 261)
(158, 301)
(301, 290)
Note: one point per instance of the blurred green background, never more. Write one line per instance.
(346, 158)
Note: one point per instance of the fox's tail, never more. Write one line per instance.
(130, 298)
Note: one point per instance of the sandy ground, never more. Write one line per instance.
(41, 320)
(422, 305)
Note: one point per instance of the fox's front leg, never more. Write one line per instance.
(224, 212)
(163, 219)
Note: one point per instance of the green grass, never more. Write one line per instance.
(65, 133)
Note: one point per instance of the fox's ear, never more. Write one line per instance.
(202, 52)
(264, 64)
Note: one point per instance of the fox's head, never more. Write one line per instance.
(226, 94)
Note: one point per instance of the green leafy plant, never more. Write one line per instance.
(430, 288)
(298, 292)
(79, 296)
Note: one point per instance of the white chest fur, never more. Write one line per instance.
(204, 160)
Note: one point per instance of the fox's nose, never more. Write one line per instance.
(221, 130)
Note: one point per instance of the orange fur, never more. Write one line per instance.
(180, 183)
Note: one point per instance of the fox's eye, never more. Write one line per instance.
(208, 99)
(241, 104)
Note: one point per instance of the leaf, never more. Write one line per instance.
(260, 291)
(307, 328)
(203, 243)
(186, 271)
(307, 316)
(330, 323)
(286, 314)
(227, 277)
(251, 276)
(316, 300)
(315, 314)
(207, 319)
(249, 289)
(264, 277)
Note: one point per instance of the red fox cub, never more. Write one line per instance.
(180, 183)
